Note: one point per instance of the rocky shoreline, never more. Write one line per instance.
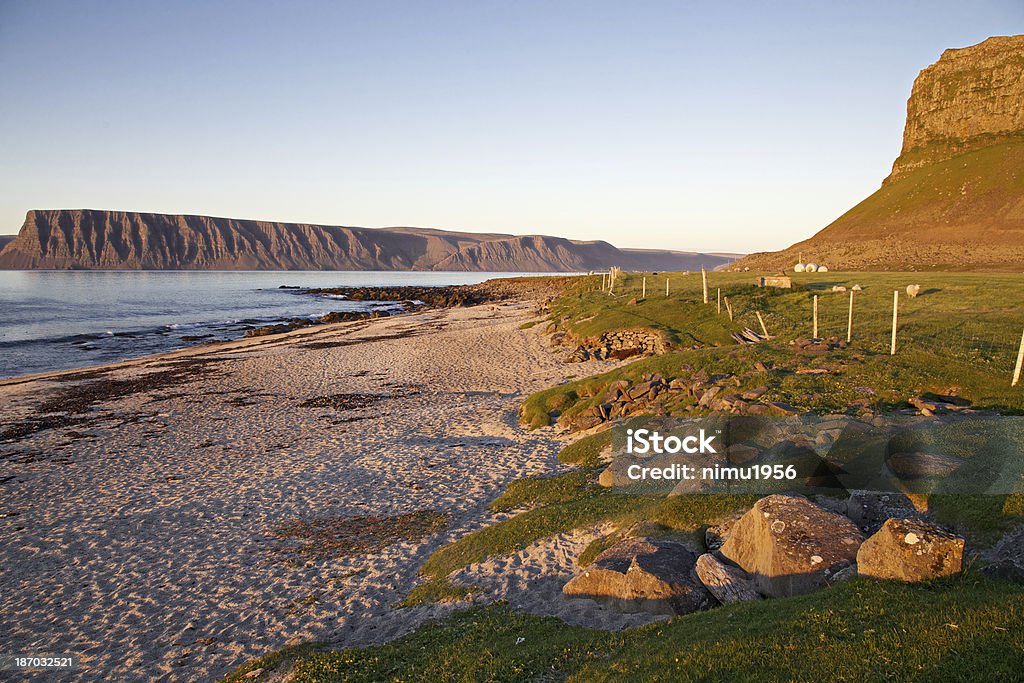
(412, 298)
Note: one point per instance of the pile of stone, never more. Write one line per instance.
(785, 545)
(620, 344)
(701, 392)
(817, 347)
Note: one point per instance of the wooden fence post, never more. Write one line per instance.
(895, 314)
(704, 278)
(815, 317)
(1020, 361)
(719, 301)
(849, 321)
(643, 295)
(728, 307)
(761, 320)
(666, 287)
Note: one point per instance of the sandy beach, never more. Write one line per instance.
(143, 503)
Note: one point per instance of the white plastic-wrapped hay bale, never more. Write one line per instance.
(799, 268)
(822, 269)
(811, 268)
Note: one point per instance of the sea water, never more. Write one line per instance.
(57, 320)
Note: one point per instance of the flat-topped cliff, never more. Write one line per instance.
(93, 239)
(971, 98)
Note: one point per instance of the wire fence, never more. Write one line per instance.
(971, 325)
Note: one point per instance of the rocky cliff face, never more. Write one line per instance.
(955, 198)
(536, 252)
(89, 239)
(971, 98)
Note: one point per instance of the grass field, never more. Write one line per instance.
(965, 628)
(961, 333)
(972, 317)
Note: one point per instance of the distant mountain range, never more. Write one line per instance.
(121, 240)
(955, 197)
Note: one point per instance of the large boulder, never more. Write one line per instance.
(790, 546)
(910, 550)
(644, 574)
(727, 583)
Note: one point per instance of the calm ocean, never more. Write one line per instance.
(56, 320)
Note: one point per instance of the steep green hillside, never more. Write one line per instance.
(964, 213)
(955, 198)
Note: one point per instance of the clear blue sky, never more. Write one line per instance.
(686, 125)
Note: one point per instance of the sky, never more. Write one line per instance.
(730, 126)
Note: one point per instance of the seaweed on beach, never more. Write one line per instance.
(366, 340)
(20, 430)
(326, 537)
(80, 398)
(69, 405)
(83, 375)
(343, 401)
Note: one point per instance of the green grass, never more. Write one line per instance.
(971, 317)
(883, 381)
(598, 546)
(962, 333)
(586, 452)
(984, 518)
(536, 491)
(585, 311)
(438, 590)
(965, 628)
(514, 534)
